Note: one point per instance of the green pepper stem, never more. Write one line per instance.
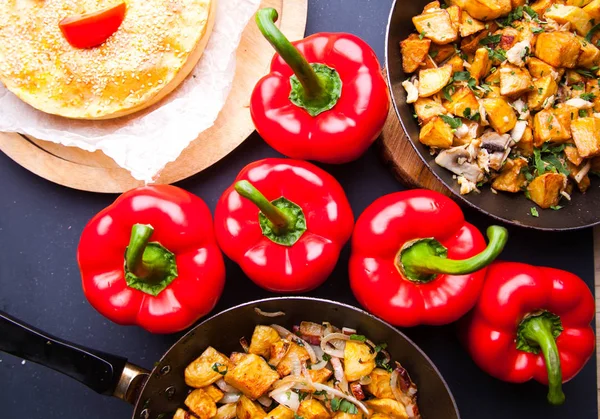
(280, 221)
(539, 331)
(265, 19)
(422, 259)
(145, 262)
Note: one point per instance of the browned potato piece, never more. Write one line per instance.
(573, 155)
(247, 409)
(566, 114)
(462, 99)
(543, 89)
(525, 146)
(380, 384)
(358, 360)
(320, 376)
(593, 86)
(312, 409)
(586, 134)
(481, 64)
(493, 92)
(579, 19)
(510, 36)
(545, 190)
(200, 402)
(182, 414)
(280, 412)
(484, 9)
(344, 415)
(262, 339)
(389, 407)
(437, 26)
(380, 416)
(455, 13)
(214, 393)
(514, 81)
(427, 109)
(469, 25)
(590, 55)
(278, 351)
(547, 127)
(511, 179)
(471, 43)
(593, 9)
(541, 6)
(414, 50)
(296, 351)
(584, 184)
(578, 3)
(236, 357)
(252, 376)
(457, 64)
(538, 68)
(517, 3)
(432, 81)
(436, 133)
(559, 49)
(432, 6)
(200, 373)
(500, 114)
(226, 411)
(441, 53)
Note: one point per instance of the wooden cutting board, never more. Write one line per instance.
(95, 172)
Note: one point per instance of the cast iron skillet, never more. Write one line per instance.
(159, 393)
(581, 212)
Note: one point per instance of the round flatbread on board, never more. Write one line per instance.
(155, 48)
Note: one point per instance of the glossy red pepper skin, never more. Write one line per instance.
(183, 225)
(306, 264)
(92, 29)
(381, 231)
(341, 134)
(514, 290)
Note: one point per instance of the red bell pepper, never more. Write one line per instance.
(151, 259)
(325, 98)
(92, 29)
(531, 323)
(292, 241)
(416, 261)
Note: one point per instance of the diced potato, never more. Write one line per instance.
(200, 373)
(525, 146)
(236, 357)
(566, 114)
(320, 376)
(500, 114)
(510, 36)
(590, 55)
(247, 409)
(538, 69)
(436, 133)
(432, 6)
(462, 100)
(380, 384)
(455, 13)
(484, 9)
(433, 80)
(481, 64)
(278, 351)
(344, 415)
(494, 91)
(517, 3)
(493, 79)
(469, 25)
(262, 339)
(593, 86)
(543, 89)
(578, 3)
(441, 53)
(573, 155)
(579, 19)
(559, 49)
(584, 183)
(312, 409)
(593, 9)
(358, 360)
(586, 134)
(428, 63)
(200, 402)
(511, 179)
(437, 26)
(380, 416)
(390, 407)
(280, 412)
(547, 127)
(457, 64)
(226, 411)
(541, 6)
(427, 109)
(414, 50)
(545, 190)
(295, 352)
(252, 376)
(182, 414)
(514, 81)
(214, 393)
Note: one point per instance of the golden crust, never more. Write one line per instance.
(156, 47)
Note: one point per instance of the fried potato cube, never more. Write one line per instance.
(312, 409)
(547, 127)
(584, 183)
(358, 360)
(226, 411)
(525, 146)
(593, 86)
(389, 407)
(510, 36)
(511, 179)
(278, 351)
(295, 352)
(500, 114)
(432, 6)
(516, 3)
(540, 6)
(247, 409)
(380, 384)
(252, 376)
(437, 26)
(559, 49)
(201, 373)
(484, 9)
(593, 9)
(579, 19)
(182, 414)
(586, 134)
(578, 3)
(320, 376)
(462, 100)
(457, 64)
(538, 69)
(432, 81)
(380, 416)
(514, 81)
(455, 13)
(494, 91)
(469, 25)
(414, 50)
(214, 393)
(280, 412)
(566, 114)
(441, 53)
(543, 90)
(344, 415)
(590, 54)
(262, 339)
(200, 402)
(436, 133)
(427, 109)
(545, 190)
(236, 357)
(481, 64)
(572, 154)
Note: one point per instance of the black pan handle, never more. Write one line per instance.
(104, 373)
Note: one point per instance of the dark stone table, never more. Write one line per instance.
(40, 224)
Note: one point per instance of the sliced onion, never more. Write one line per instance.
(226, 388)
(348, 331)
(294, 381)
(336, 392)
(286, 397)
(284, 333)
(338, 352)
(408, 401)
(322, 363)
(265, 401)
(230, 398)
(296, 365)
(311, 329)
(338, 372)
(269, 314)
(365, 381)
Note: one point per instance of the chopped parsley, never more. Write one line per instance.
(588, 96)
(556, 207)
(220, 368)
(380, 347)
(343, 405)
(491, 39)
(296, 416)
(360, 338)
(382, 361)
(326, 357)
(591, 33)
(534, 212)
(453, 122)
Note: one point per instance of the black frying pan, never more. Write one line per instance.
(511, 208)
(159, 393)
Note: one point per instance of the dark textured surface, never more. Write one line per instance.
(40, 225)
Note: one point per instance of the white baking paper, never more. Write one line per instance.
(143, 143)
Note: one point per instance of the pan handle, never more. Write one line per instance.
(104, 373)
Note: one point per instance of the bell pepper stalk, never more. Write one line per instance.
(415, 260)
(531, 323)
(324, 99)
(151, 259)
(284, 222)
(92, 29)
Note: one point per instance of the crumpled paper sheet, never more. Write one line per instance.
(143, 143)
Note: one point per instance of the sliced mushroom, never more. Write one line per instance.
(492, 141)
(459, 160)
